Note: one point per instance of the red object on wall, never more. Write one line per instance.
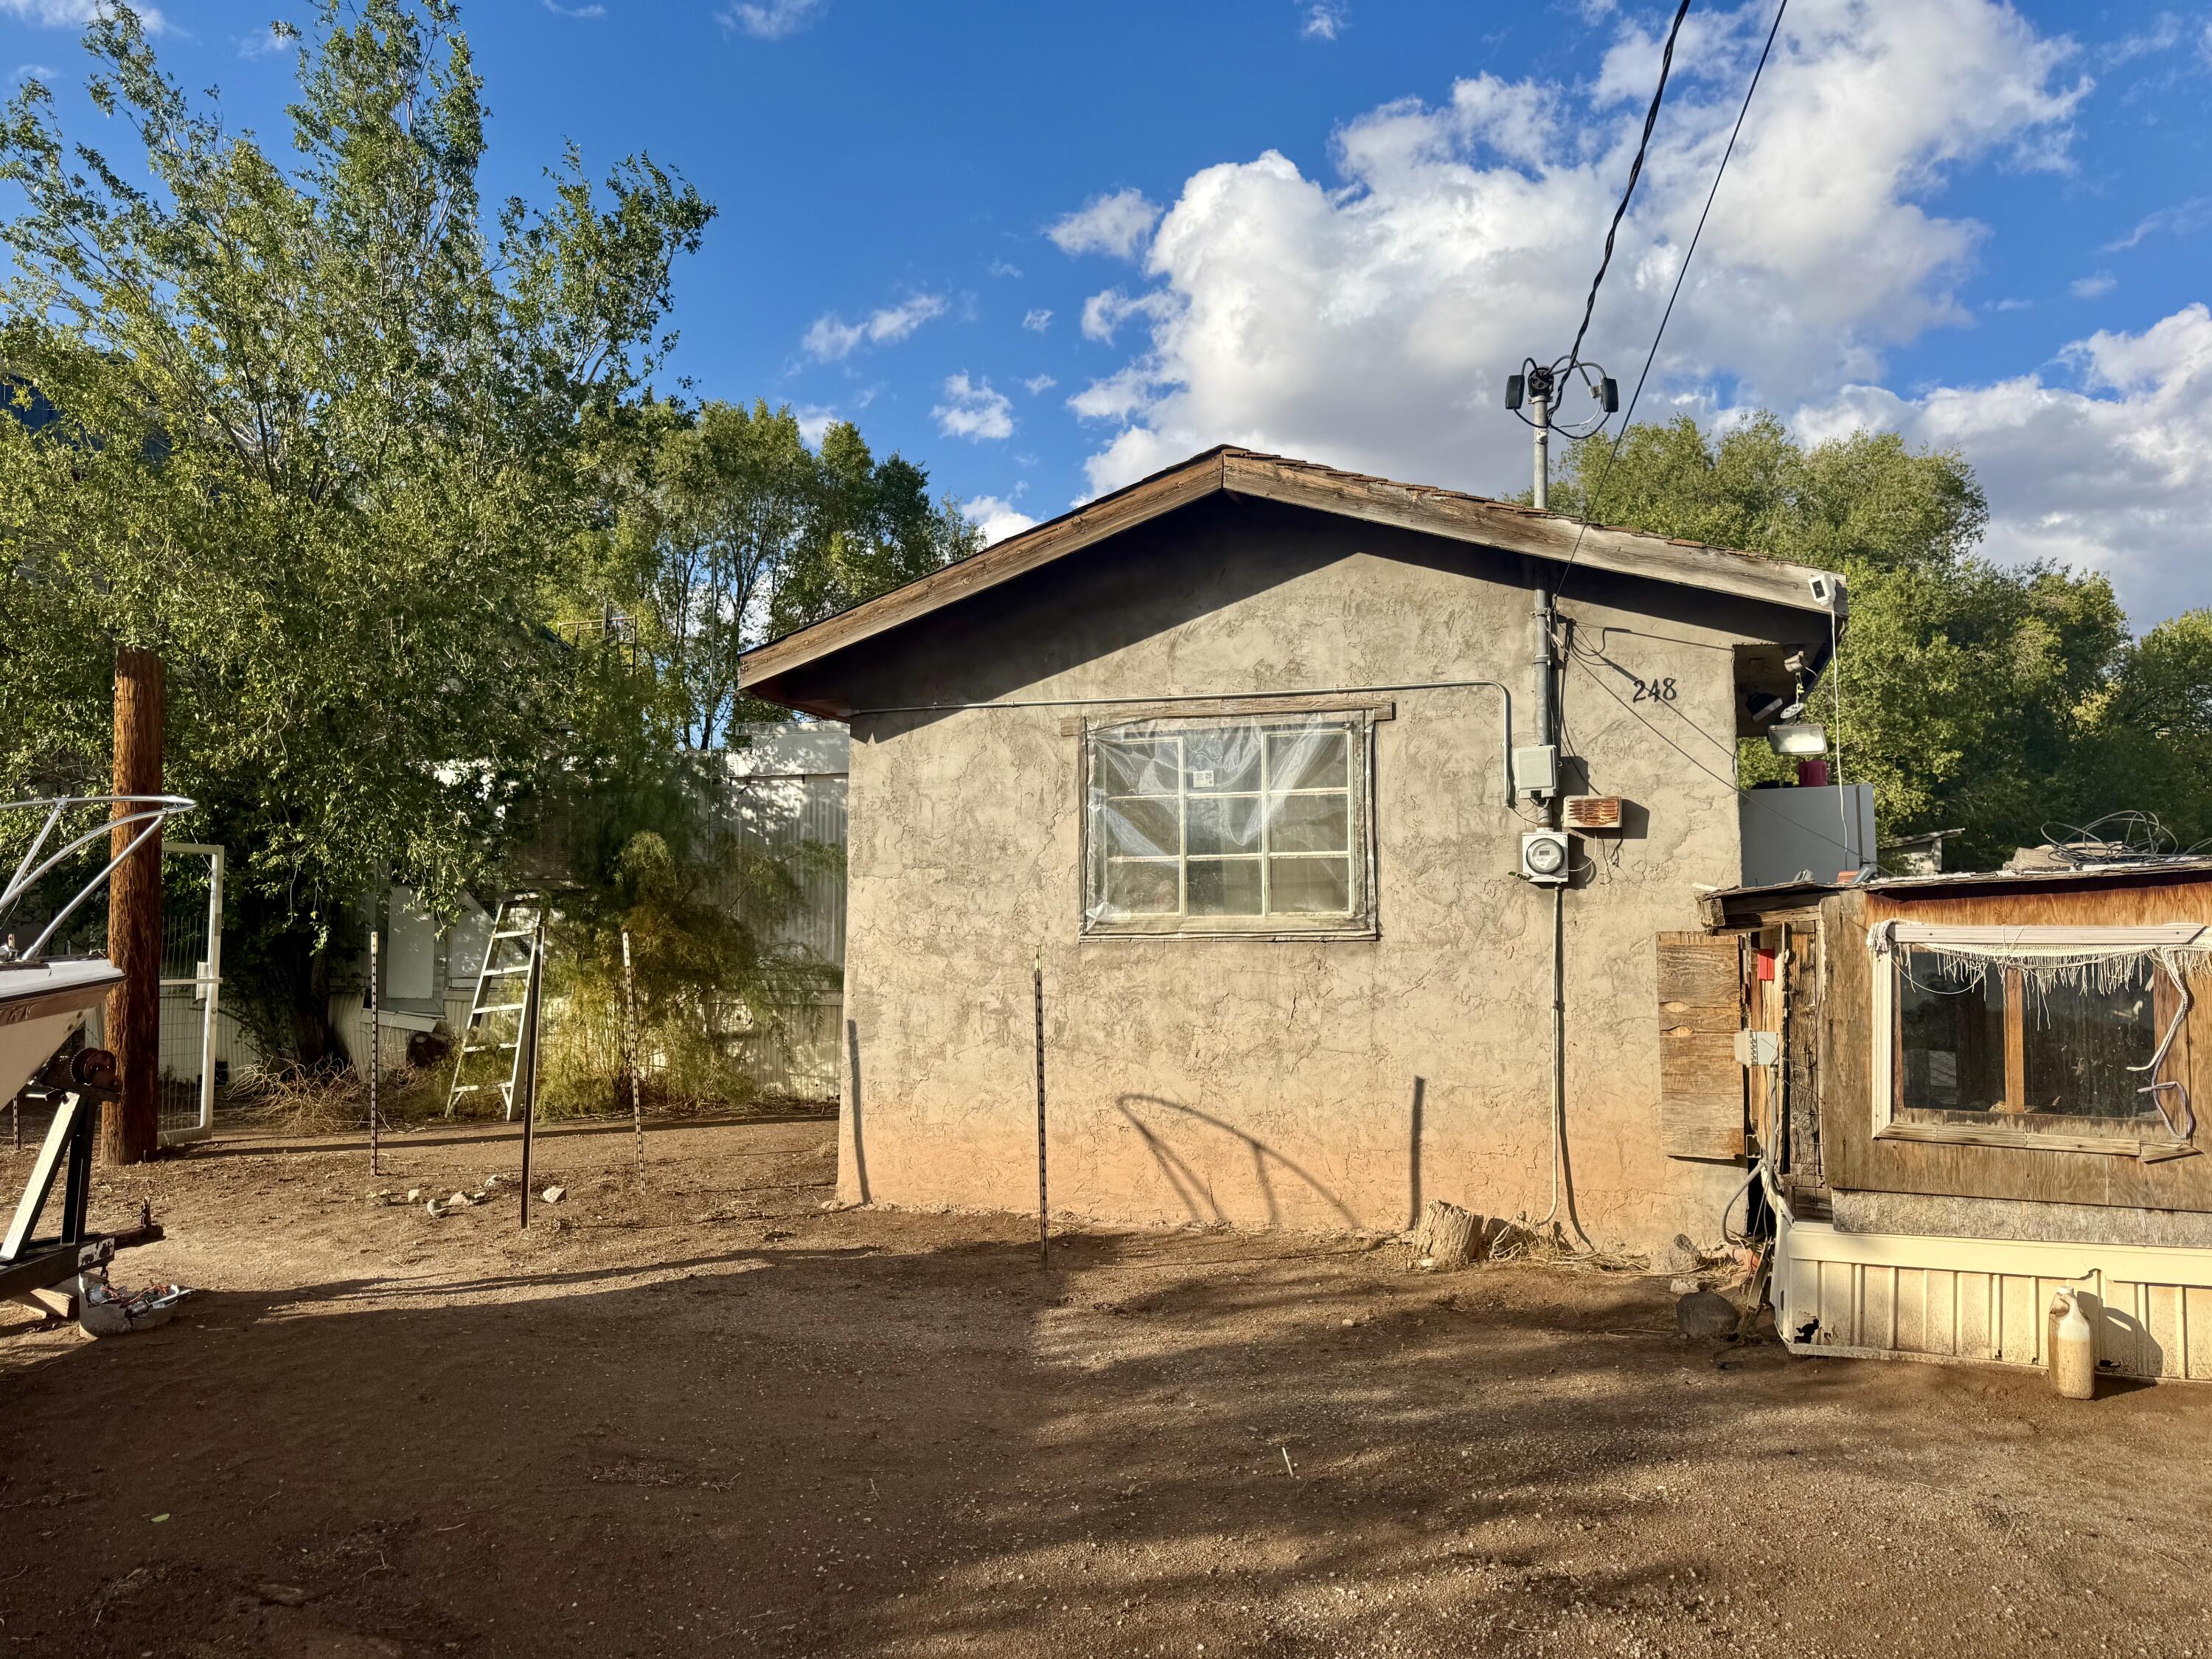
(1765, 963)
(1813, 774)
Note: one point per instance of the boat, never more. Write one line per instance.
(43, 997)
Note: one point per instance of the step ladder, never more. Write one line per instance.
(496, 1013)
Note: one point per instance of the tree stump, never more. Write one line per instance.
(1446, 1237)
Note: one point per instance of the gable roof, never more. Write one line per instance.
(1506, 526)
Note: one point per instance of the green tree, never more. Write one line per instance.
(1992, 699)
(723, 529)
(313, 427)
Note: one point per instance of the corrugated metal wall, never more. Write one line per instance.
(1979, 1299)
(787, 791)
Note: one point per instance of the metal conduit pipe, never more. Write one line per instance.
(1505, 692)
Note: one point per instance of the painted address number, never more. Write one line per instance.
(1654, 690)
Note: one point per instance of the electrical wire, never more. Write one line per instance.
(1751, 795)
(1635, 172)
(1589, 502)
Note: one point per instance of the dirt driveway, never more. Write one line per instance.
(745, 1423)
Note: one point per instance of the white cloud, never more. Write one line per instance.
(588, 13)
(1036, 320)
(1117, 396)
(2114, 475)
(831, 337)
(1037, 383)
(2088, 288)
(2015, 305)
(998, 516)
(1104, 312)
(2182, 219)
(771, 20)
(1002, 268)
(1116, 224)
(814, 423)
(75, 14)
(973, 410)
(1369, 320)
(1323, 18)
(32, 72)
(277, 37)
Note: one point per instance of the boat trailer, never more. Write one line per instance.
(32, 1269)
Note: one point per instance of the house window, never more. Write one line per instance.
(1249, 826)
(2069, 1039)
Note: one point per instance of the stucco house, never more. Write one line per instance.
(1246, 757)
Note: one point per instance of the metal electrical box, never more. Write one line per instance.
(1536, 769)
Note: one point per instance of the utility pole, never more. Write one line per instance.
(1540, 399)
(130, 1127)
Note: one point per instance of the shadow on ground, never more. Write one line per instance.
(861, 1433)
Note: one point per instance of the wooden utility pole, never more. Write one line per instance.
(131, 1128)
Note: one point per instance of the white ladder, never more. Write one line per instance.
(497, 1023)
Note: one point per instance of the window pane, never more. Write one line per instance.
(1308, 760)
(1225, 823)
(1953, 1035)
(1223, 759)
(1146, 828)
(1224, 887)
(1310, 824)
(1308, 886)
(1136, 766)
(1146, 888)
(2081, 1044)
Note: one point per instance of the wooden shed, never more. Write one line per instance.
(1962, 1093)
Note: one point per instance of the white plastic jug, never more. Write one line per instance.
(2073, 1348)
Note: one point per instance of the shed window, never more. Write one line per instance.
(1993, 1042)
(1253, 826)
(2073, 1039)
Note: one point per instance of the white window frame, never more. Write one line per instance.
(1888, 963)
(1359, 922)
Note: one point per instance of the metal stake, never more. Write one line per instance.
(1044, 1223)
(528, 1041)
(375, 1053)
(630, 1061)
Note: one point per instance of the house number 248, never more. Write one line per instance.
(1654, 691)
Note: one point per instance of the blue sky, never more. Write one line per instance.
(1044, 249)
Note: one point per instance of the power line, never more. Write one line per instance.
(1589, 502)
(1741, 793)
(1635, 172)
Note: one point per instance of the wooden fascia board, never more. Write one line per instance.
(1014, 557)
(1624, 552)
(1373, 501)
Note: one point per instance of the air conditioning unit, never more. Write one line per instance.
(1544, 857)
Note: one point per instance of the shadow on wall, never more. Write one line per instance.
(1192, 1189)
(853, 1111)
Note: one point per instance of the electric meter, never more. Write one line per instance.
(1544, 857)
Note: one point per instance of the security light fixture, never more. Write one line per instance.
(1801, 738)
(1515, 386)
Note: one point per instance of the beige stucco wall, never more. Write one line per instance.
(1267, 1082)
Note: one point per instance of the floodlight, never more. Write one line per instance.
(1513, 385)
(1798, 737)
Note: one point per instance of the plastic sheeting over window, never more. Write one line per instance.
(1257, 825)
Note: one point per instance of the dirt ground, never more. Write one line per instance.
(745, 1422)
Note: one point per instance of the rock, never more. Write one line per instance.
(282, 1595)
(553, 1195)
(1704, 1316)
(490, 1180)
(459, 1201)
(414, 1194)
(1681, 1257)
(1685, 1285)
(432, 1206)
